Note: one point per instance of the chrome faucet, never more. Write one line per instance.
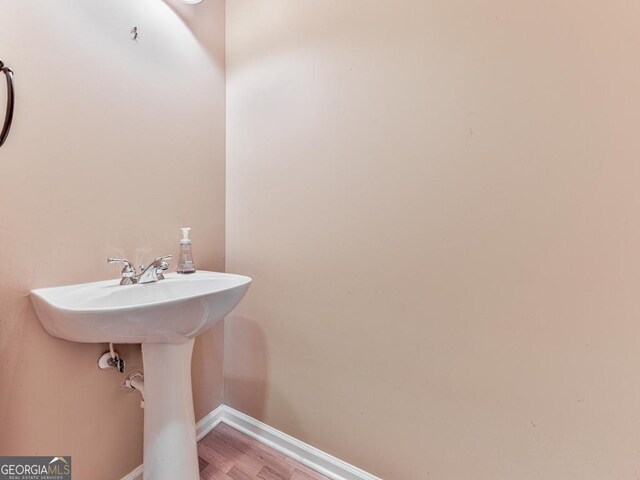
(149, 274)
(153, 272)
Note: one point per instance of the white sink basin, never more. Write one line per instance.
(173, 310)
(164, 317)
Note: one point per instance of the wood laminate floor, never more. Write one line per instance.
(226, 454)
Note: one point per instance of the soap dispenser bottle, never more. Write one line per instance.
(185, 263)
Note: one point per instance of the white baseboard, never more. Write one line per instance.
(209, 422)
(317, 460)
(313, 458)
(135, 474)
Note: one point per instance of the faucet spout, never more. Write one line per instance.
(153, 272)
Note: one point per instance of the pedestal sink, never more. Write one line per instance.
(164, 317)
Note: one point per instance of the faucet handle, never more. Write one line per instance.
(158, 262)
(128, 271)
(128, 266)
(163, 264)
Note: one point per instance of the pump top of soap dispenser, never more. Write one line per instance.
(185, 236)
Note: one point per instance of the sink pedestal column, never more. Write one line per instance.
(170, 448)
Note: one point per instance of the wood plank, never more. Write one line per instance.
(272, 459)
(202, 463)
(211, 456)
(247, 463)
(213, 473)
(236, 473)
(227, 454)
(247, 440)
(267, 474)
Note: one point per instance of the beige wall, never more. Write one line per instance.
(438, 203)
(115, 145)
